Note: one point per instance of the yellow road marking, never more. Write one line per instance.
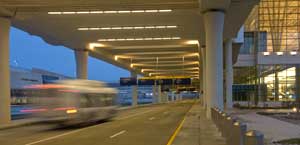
(179, 127)
(176, 132)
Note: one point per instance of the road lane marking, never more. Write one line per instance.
(71, 132)
(53, 137)
(137, 114)
(152, 118)
(179, 127)
(117, 134)
(176, 132)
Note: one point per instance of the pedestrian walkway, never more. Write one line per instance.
(273, 129)
(198, 130)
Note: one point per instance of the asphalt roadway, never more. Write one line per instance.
(151, 125)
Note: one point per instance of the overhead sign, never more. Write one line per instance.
(146, 82)
(128, 81)
(183, 81)
(164, 81)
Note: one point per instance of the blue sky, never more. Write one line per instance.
(29, 51)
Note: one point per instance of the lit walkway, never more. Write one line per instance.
(198, 130)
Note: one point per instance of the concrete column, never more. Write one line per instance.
(154, 92)
(229, 73)
(214, 22)
(203, 51)
(4, 71)
(81, 57)
(276, 85)
(134, 91)
(159, 96)
(297, 92)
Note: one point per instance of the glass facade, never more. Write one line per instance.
(272, 26)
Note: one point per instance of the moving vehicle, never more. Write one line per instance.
(69, 102)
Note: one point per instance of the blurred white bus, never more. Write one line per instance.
(69, 102)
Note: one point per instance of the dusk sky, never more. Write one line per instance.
(31, 51)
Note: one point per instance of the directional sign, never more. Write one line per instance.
(128, 81)
(146, 82)
(183, 81)
(164, 81)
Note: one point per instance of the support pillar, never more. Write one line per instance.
(81, 57)
(159, 97)
(154, 92)
(276, 85)
(203, 52)
(214, 23)
(297, 92)
(134, 91)
(229, 73)
(4, 71)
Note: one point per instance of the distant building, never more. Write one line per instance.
(20, 77)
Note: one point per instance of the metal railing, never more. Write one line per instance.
(235, 131)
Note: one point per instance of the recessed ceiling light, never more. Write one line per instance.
(125, 28)
(93, 45)
(68, 13)
(111, 12)
(83, 12)
(96, 12)
(192, 42)
(140, 39)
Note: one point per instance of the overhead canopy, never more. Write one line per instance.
(150, 37)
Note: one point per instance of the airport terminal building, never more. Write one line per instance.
(268, 66)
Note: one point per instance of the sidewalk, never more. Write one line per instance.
(273, 129)
(198, 130)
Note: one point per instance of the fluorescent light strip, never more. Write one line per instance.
(126, 28)
(139, 39)
(110, 12)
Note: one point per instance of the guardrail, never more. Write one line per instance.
(235, 131)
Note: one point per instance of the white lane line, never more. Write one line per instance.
(71, 132)
(53, 137)
(137, 114)
(152, 118)
(117, 134)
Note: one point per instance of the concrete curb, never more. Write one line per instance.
(19, 124)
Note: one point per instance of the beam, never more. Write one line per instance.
(4, 71)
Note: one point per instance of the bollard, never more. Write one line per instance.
(237, 134)
(254, 137)
(213, 114)
(228, 126)
(218, 119)
(222, 123)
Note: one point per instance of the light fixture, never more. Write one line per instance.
(131, 65)
(295, 109)
(192, 42)
(126, 28)
(266, 53)
(93, 45)
(293, 52)
(139, 39)
(279, 53)
(142, 70)
(116, 58)
(110, 12)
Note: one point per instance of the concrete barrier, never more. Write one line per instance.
(254, 137)
(234, 131)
